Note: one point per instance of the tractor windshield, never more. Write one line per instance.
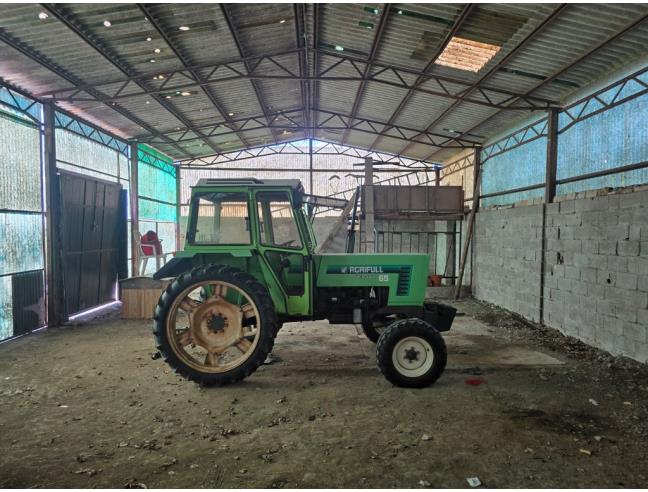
(219, 218)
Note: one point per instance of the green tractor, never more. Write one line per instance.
(249, 265)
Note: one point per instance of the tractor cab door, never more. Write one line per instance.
(284, 249)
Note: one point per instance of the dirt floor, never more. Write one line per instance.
(518, 406)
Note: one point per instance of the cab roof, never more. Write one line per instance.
(291, 183)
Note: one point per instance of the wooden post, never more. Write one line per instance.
(471, 220)
(56, 314)
(134, 209)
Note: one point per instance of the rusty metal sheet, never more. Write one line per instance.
(392, 201)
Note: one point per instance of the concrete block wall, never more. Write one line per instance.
(507, 258)
(596, 273)
(596, 267)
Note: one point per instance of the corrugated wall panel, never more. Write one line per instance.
(20, 176)
(516, 168)
(22, 307)
(157, 198)
(613, 138)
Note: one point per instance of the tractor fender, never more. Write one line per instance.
(174, 268)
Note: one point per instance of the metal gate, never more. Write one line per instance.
(92, 219)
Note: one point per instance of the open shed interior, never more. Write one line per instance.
(508, 142)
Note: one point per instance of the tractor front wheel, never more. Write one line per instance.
(411, 353)
(215, 325)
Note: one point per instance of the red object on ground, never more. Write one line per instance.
(474, 381)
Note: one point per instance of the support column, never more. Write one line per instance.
(437, 176)
(179, 244)
(310, 165)
(471, 220)
(550, 194)
(55, 300)
(552, 155)
(369, 206)
(134, 208)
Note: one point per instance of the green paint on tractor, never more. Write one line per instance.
(250, 264)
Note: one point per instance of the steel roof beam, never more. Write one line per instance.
(567, 67)
(286, 120)
(463, 15)
(372, 54)
(113, 59)
(59, 71)
(228, 71)
(239, 47)
(514, 51)
(314, 85)
(289, 147)
(300, 41)
(148, 13)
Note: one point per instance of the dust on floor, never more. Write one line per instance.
(88, 406)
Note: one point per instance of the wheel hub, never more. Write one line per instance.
(217, 323)
(411, 354)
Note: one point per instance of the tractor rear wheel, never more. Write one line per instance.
(215, 325)
(411, 353)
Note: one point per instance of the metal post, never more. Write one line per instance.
(56, 314)
(178, 208)
(552, 155)
(550, 194)
(134, 208)
(310, 165)
(369, 206)
(437, 176)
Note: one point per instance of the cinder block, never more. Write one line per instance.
(642, 317)
(628, 200)
(638, 265)
(628, 248)
(596, 291)
(590, 246)
(642, 283)
(636, 332)
(605, 277)
(607, 247)
(617, 263)
(572, 272)
(568, 207)
(626, 281)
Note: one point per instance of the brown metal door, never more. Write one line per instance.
(91, 221)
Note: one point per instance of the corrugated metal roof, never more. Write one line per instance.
(38, 55)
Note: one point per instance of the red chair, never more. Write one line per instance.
(150, 246)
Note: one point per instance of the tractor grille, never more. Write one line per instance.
(404, 279)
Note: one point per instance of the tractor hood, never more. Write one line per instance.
(404, 274)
